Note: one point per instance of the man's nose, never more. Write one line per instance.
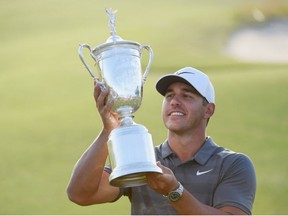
(175, 101)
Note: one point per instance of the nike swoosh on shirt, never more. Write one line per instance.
(204, 172)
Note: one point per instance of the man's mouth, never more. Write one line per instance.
(176, 114)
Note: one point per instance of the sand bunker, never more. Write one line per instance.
(266, 42)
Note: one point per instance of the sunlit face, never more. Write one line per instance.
(183, 108)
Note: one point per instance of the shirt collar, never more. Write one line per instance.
(201, 157)
(166, 150)
(206, 151)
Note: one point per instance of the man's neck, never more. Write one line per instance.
(185, 146)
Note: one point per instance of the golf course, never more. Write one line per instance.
(48, 116)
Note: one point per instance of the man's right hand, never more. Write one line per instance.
(109, 118)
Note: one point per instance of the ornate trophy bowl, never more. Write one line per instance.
(131, 150)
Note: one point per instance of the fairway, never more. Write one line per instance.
(47, 112)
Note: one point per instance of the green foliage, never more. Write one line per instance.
(48, 115)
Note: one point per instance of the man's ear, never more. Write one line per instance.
(210, 108)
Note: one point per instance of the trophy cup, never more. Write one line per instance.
(130, 146)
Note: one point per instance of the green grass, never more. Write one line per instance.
(48, 115)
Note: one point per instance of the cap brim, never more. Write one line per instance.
(164, 82)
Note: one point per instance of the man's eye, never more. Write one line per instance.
(187, 96)
(168, 95)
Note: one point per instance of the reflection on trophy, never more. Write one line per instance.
(130, 146)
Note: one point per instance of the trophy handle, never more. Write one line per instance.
(81, 46)
(151, 56)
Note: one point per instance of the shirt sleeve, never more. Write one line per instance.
(237, 184)
(123, 191)
(108, 169)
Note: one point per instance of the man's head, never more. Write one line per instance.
(190, 76)
(198, 83)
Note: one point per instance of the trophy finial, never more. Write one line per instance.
(112, 19)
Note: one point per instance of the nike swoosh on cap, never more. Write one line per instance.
(203, 172)
(185, 72)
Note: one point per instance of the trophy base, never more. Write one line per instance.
(132, 175)
(131, 154)
(132, 180)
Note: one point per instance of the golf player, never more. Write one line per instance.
(199, 176)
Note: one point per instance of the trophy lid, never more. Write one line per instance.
(114, 39)
(112, 20)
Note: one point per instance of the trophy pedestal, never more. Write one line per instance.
(131, 154)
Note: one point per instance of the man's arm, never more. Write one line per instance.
(89, 184)
(187, 204)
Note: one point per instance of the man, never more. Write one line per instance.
(199, 177)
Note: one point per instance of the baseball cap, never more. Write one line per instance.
(190, 76)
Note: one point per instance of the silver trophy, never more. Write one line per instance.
(131, 150)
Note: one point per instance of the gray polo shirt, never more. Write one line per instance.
(215, 176)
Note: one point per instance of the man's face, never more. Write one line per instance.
(183, 108)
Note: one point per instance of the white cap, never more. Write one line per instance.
(190, 76)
